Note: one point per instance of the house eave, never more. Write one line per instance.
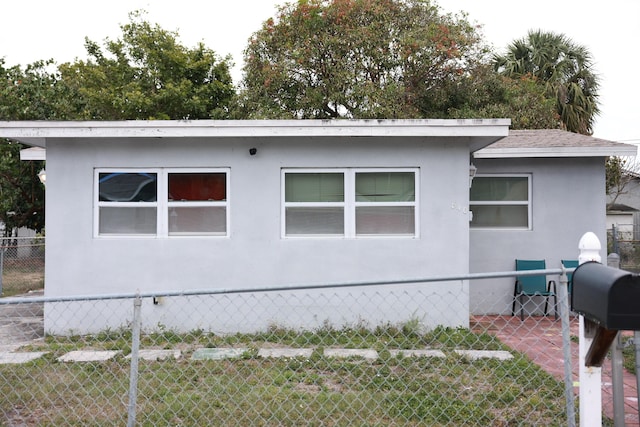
(36, 133)
(503, 153)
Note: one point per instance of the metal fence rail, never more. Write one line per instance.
(491, 371)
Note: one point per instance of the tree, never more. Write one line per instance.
(21, 192)
(29, 93)
(484, 94)
(33, 93)
(564, 68)
(147, 74)
(357, 59)
(622, 174)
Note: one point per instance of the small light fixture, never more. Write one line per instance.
(472, 173)
(42, 175)
(253, 151)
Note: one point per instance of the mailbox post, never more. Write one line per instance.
(590, 377)
(607, 300)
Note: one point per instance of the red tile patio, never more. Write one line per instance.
(540, 338)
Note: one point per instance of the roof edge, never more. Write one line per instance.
(37, 132)
(501, 153)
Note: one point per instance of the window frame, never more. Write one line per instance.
(162, 203)
(350, 204)
(528, 203)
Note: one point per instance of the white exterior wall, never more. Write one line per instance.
(568, 200)
(254, 254)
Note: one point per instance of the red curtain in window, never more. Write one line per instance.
(197, 186)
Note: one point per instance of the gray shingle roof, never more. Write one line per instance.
(553, 143)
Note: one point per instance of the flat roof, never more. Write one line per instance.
(36, 133)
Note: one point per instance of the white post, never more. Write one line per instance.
(590, 377)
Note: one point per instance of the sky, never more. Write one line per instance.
(43, 29)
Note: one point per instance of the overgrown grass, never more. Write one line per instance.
(314, 391)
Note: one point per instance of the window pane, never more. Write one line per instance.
(197, 186)
(129, 220)
(316, 220)
(500, 189)
(385, 220)
(198, 220)
(500, 216)
(127, 187)
(385, 187)
(314, 187)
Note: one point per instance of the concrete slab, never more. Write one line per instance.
(285, 352)
(351, 352)
(218, 353)
(22, 357)
(485, 354)
(156, 355)
(88, 356)
(417, 353)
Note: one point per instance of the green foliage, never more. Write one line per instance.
(148, 74)
(563, 68)
(33, 93)
(29, 93)
(484, 93)
(21, 192)
(357, 59)
(381, 59)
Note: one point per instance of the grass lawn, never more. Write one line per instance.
(315, 391)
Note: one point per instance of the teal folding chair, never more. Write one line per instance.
(533, 286)
(570, 263)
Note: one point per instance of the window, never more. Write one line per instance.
(501, 202)
(349, 202)
(162, 202)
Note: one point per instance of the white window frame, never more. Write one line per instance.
(350, 204)
(506, 203)
(162, 203)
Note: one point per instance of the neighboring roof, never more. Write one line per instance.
(481, 132)
(553, 143)
(620, 208)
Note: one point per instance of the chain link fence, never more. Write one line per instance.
(21, 265)
(497, 370)
(624, 240)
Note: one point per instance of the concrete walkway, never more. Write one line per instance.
(20, 324)
(221, 353)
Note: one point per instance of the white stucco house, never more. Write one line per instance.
(186, 205)
(566, 197)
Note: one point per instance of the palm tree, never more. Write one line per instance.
(564, 67)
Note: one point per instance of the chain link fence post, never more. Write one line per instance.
(2, 249)
(613, 260)
(135, 348)
(566, 347)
